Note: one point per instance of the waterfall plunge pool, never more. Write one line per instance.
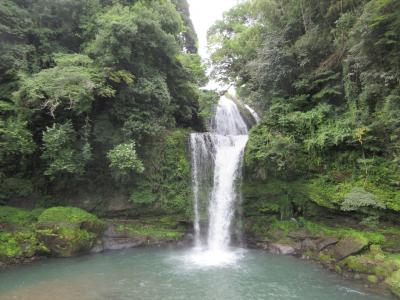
(169, 273)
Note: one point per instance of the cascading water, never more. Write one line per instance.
(216, 159)
(253, 113)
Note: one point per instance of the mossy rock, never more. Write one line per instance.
(71, 217)
(376, 263)
(12, 218)
(349, 245)
(68, 231)
(153, 229)
(394, 283)
(372, 279)
(361, 264)
(67, 242)
(20, 244)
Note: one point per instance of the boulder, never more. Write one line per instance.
(281, 249)
(299, 234)
(394, 283)
(326, 242)
(308, 244)
(123, 243)
(68, 231)
(349, 246)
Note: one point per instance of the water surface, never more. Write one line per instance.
(146, 274)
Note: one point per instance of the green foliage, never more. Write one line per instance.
(19, 244)
(123, 159)
(78, 78)
(324, 74)
(61, 231)
(71, 215)
(15, 187)
(60, 150)
(359, 197)
(192, 63)
(16, 139)
(72, 84)
(165, 183)
(207, 100)
(166, 228)
(278, 153)
(370, 222)
(17, 217)
(394, 283)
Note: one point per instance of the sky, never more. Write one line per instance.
(204, 13)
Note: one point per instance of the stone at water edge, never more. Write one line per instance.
(349, 246)
(68, 231)
(326, 242)
(299, 234)
(394, 283)
(281, 249)
(308, 244)
(123, 243)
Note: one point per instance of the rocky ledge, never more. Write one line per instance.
(371, 256)
(123, 234)
(26, 236)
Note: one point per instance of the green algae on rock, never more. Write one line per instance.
(68, 231)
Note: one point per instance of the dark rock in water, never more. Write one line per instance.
(326, 242)
(187, 240)
(281, 249)
(349, 246)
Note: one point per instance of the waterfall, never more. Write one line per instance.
(253, 113)
(216, 159)
(202, 148)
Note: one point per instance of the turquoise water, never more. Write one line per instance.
(148, 273)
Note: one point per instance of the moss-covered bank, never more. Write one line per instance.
(69, 231)
(58, 231)
(352, 251)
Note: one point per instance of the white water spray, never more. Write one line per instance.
(253, 113)
(218, 155)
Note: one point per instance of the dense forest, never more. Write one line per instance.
(326, 77)
(96, 100)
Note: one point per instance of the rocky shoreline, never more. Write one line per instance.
(69, 232)
(370, 257)
(357, 255)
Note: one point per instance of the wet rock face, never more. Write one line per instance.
(281, 249)
(394, 283)
(117, 240)
(349, 246)
(308, 244)
(124, 234)
(66, 242)
(326, 242)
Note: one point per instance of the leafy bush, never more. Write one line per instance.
(72, 84)
(123, 159)
(359, 198)
(61, 150)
